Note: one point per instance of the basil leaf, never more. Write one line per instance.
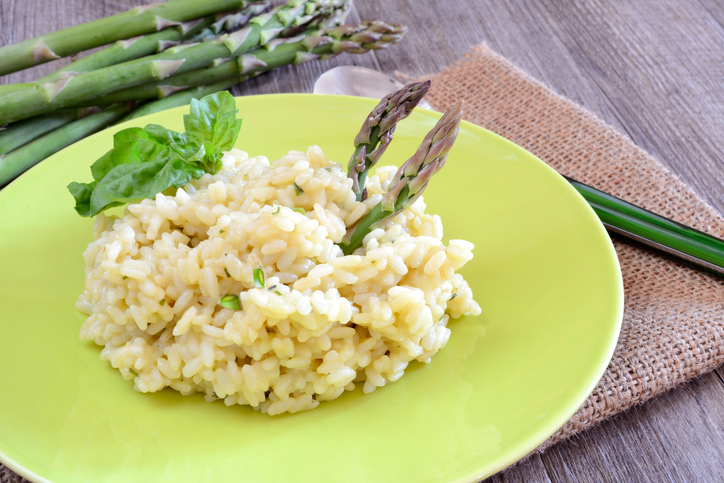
(101, 166)
(131, 182)
(82, 193)
(132, 145)
(165, 136)
(146, 161)
(213, 119)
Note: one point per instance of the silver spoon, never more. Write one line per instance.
(350, 80)
(617, 216)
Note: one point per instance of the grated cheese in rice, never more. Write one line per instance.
(323, 322)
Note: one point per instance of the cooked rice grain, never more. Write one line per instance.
(322, 323)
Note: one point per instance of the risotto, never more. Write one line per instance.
(305, 323)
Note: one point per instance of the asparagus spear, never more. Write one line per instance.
(412, 178)
(231, 21)
(7, 88)
(19, 133)
(178, 99)
(80, 88)
(15, 162)
(137, 21)
(125, 50)
(321, 44)
(378, 129)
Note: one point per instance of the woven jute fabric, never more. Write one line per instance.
(673, 323)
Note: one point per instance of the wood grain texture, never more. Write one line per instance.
(652, 69)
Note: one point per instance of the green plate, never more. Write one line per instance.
(545, 274)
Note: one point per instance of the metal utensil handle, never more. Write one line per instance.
(631, 221)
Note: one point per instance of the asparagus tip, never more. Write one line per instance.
(378, 129)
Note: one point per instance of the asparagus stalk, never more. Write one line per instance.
(412, 178)
(178, 99)
(16, 162)
(135, 22)
(176, 84)
(17, 134)
(378, 130)
(322, 44)
(78, 89)
(230, 22)
(7, 88)
(126, 50)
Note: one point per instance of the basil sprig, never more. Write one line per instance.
(147, 161)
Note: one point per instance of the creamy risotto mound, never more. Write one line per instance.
(321, 323)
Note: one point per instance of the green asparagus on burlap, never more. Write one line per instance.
(279, 52)
(79, 89)
(371, 35)
(16, 162)
(378, 130)
(411, 179)
(135, 22)
(129, 49)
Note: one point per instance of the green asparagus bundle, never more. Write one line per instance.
(135, 22)
(23, 132)
(412, 178)
(325, 43)
(371, 35)
(129, 49)
(19, 133)
(179, 99)
(199, 62)
(378, 130)
(15, 162)
(321, 43)
(74, 90)
(222, 70)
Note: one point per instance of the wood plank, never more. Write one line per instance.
(531, 469)
(702, 426)
(662, 82)
(676, 437)
(7, 476)
(715, 8)
(672, 438)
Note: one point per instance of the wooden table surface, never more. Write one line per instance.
(654, 69)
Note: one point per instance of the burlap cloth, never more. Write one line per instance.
(673, 322)
(673, 318)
